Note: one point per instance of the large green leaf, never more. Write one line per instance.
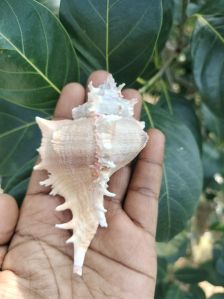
(116, 35)
(209, 7)
(183, 110)
(213, 276)
(19, 137)
(168, 6)
(16, 184)
(194, 292)
(217, 296)
(208, 57)
(182, 179)
(175, 292)
(161, 290)
(53, 5)
(190, 275)
(151, 69)
(36, 55)
(179, 12)
(213, 123)
(161, 269)
(213, 164)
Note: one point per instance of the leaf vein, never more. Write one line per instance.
(96, 11)
(107, 36)
(129, 32)
(32, 65)
(17, 20)
(46, 41)
(25, 89)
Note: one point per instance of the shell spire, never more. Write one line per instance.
(81, 154)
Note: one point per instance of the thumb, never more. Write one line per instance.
(141, 203)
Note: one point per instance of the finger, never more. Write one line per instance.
(118, 184)
(141, 203)
(130, 94)
(8, 217)
(72, 95)
(97, 78)
(3, 250)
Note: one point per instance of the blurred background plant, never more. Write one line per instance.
(173, 52)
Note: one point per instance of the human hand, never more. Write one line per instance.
(121, 261)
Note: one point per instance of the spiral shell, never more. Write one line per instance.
(80, 156)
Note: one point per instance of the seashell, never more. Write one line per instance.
(80, 156)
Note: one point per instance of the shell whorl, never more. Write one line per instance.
(80, 156)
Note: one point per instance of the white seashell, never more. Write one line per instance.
(82, 154)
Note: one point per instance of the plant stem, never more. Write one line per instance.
(158, 75)
(167, 96)
(148, 114)
(141, 81)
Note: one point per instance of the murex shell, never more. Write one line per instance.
(81, 154)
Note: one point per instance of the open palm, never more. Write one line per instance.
(121, 261)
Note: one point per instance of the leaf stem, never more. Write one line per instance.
(141, 81)
(167, 96)
(205, 22)
(107, 37)
(158, 75)
(148, 114)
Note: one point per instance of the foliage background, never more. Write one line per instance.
(173, 52)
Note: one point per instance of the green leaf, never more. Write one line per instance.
(161, 290)
(213, 164)
(175, 248)
(213, 123)
(17, 184)
(175, 292)
(161, 269)
(190, 275)
(166, 24)
(179, 11)
(219, 227)
(213, 276)
(217, 296)
(192, 8)
(218, 249)
(151, 69)
(220, 265)
(19, 137)
(182, 174)
(184, 111)
(116, 35)
(207, 54)
(53, 5)
(196, 292)
(210, 7)
(36, 55)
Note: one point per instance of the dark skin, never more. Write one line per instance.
(121, 261)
